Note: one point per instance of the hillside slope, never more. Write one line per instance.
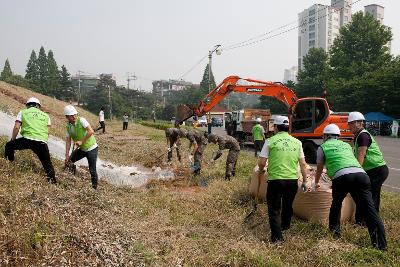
(170, 223)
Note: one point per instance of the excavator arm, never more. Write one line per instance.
(239, 85)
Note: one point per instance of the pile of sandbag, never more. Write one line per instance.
(312, 205)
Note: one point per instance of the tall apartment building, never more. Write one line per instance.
(344, 8)
(318, 27)
(378, 12)
(290, 74)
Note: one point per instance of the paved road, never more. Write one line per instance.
(391, 152)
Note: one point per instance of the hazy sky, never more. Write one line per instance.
(161, 39)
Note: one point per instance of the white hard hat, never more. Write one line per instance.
(33, 100)
(70, 110)
(258, 120)
(281, 120)
(332, 129)
(355, 116)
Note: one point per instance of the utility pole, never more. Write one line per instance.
(109, 101)
(218, 52)
(132, 78)
(79, 86)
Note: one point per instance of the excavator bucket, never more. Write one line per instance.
(183, 112)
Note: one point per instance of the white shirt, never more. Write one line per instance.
(126, 118)
(101, 115)
(265, 151)
(84, 124)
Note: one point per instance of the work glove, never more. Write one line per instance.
(169, 149)
(190, 158)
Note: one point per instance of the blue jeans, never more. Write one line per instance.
(91, 156)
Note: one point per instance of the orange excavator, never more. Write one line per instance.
(307, 116)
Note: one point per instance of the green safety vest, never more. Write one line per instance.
(35, 124)
(258, 132)
(283, 159)
(338, 155)
(374, 157)
(77, 132)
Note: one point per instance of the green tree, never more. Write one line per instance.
(32, 71)
(291, 84)
(204, 81)
(18, 80)
(6, 73)
(53, 76)
(360, 48)
(274, 105)
(374, 91)
(313, 77)
(43, 70)
(66, 90)
(98, 97)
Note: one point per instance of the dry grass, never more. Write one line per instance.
(174, 223)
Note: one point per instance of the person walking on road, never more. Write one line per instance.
(226, 142)
(34, 125)
(198, 140)
(173, 136)
(284, 154)
(370, 157)
(347, 176)
(125, 121)
(79, 131)
(258, 136)
(101, 120)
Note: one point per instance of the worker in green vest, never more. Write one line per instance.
(34, 125)
(80, 132)
(258, 136)
(347, 176)
(370, 158)
(284, 154)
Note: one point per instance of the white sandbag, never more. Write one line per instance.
(258, 185)
(315, 205)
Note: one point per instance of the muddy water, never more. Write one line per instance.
(120, 175)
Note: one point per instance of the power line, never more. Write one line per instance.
(271, 31)
(192, 68)
(245, 43)
(250, 41)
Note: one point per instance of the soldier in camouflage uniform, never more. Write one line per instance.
(226, 142)
(199, 140)
(173, 140)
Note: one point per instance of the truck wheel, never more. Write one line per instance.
(310, 152)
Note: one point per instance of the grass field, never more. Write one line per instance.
(171, 223)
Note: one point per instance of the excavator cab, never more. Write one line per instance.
(308, 114)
